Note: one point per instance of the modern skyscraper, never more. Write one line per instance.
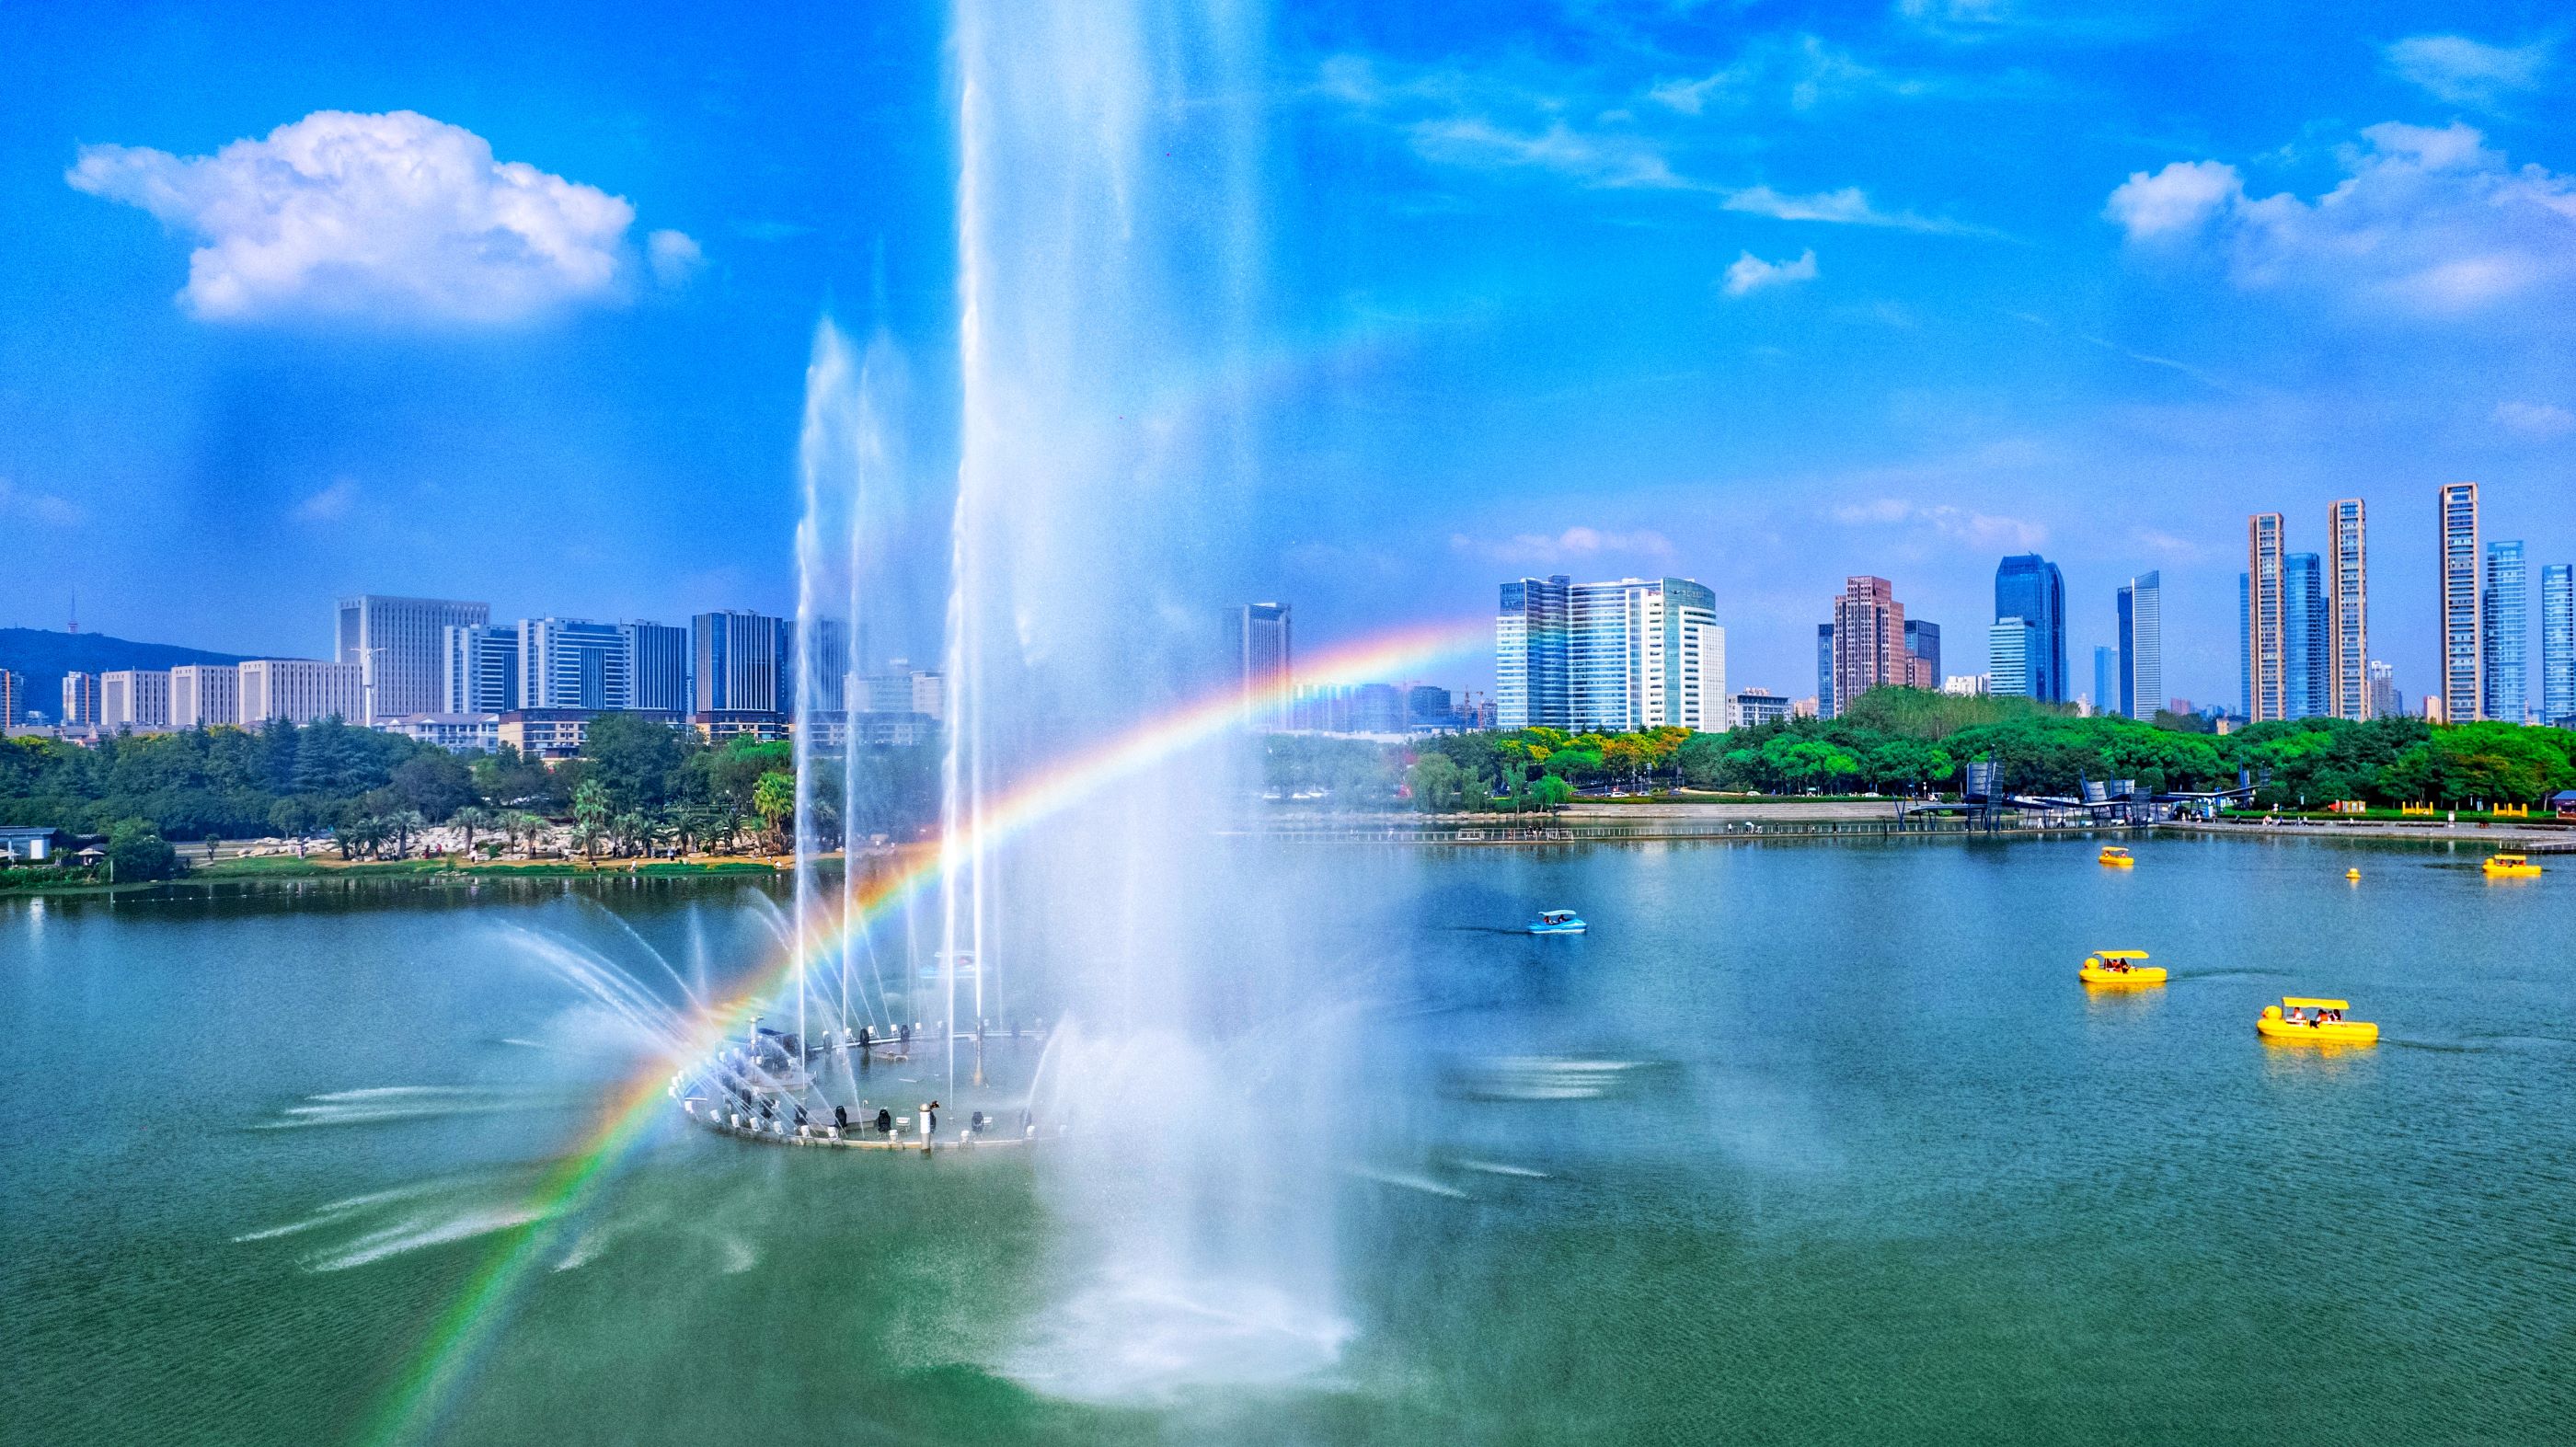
(2504, 633)
(2244, 646)
(2267, 656)
(1257, 634)
(13, 698)
(1531, 684)
(300, 690)
(2385, 700)
(1923, 648)
(1645, 653)
(817, 659)
(739, 662)
(2107, 675)
(1869, 639)
(573, 663)
(205, 694)
(1824, 670)
(399, 646)
(2013, 652)
(2558, 645)
(657, 667)
(80, 701)
(2030, 587)
(2142, 647)
(2347, 612)
(2459, 677)
(2305, 662)
(479, 669)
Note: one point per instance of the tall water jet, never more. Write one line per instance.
(1107, 249)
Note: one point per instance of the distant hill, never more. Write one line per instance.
(43, 657)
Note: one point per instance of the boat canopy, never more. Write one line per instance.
(2122, 954)
(1555, 914)
(2309, 1003)
(2511, 859)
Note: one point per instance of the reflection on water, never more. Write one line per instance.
(1804, 1143)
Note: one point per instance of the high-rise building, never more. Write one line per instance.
(1263, 669)
(134, 698)
(1531, 684)
(2305, 663)
(2267, 658)
(2347, 612)
(13, 699)
(2504, 631)
(300, 690)
(738, 662)
(1824, 670)
(2459, 677)
(1869, 640)
(2244, 646)
(2014, 647)
(2030, 587)
(80, 701)
(2385, 700)
(572, 663)
(2107, 674)
(816, 661)
(2558, 645)
(2142, 647)
(1923, 649)
(205, 694)
(480, 669)
(1645, 653)
(399, 646)
(657, 667)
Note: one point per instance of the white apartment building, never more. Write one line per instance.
(399, 646)
(205, 694)
(300, 691)
(134, 698)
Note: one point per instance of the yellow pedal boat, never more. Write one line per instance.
(2311, 1021)
(2117, 968)
(2117, 858)
(2510, 866)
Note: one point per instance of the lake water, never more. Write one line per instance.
(1803, 1143)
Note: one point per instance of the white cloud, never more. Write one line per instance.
(2178, 198)
(2535, 419)
(1595, 159)
(2464, 72)
(392, 217)
(2427, 221)
(1750, 273)
(1574, 542)
(1983, 530)
(675, 257)
(37, 507)
(330, 504)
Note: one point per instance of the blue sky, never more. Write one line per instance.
(1759, 294)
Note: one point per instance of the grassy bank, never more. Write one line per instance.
(436, 868)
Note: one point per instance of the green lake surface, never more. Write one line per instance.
(1803, 1143)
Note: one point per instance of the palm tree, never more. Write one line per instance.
(471, 818)
(774, 797)
(591, 812)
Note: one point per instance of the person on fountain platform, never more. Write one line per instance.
(841, 1116)
(885, 1121)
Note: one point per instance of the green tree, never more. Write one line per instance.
(136, 853)
(1552, 792)
(774, 799)
(591, 811)
(435, 783)
(1435, 783)
(634, 757)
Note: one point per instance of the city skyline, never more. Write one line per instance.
(1767, 362)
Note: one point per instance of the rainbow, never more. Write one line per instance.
(459, 1331)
